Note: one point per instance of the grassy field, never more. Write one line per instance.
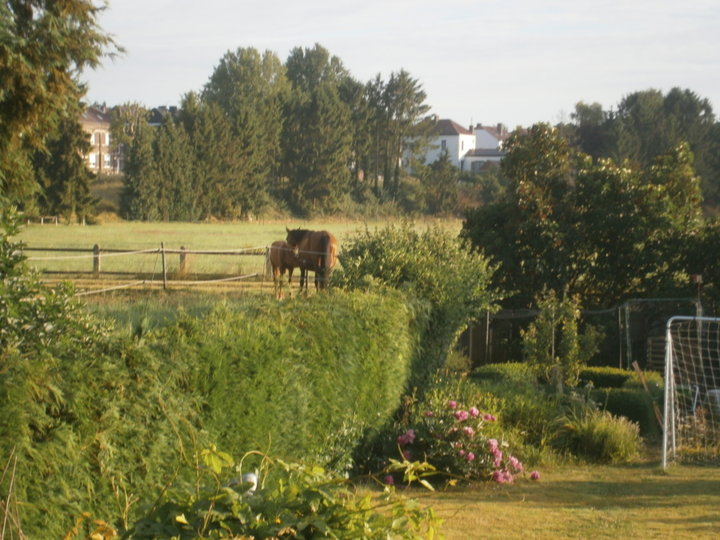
(190, 236)
(633, 501)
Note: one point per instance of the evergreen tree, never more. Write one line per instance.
(44, 45)
(140, 195)
(403, 125)
(172, 153)
(318, 135)
(63, 174)
(440, 180)
(251, 89)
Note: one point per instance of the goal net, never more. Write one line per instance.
(692, 390)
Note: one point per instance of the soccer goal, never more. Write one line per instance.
(691, 423)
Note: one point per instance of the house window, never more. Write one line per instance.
(443, 144)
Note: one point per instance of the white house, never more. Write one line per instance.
(468, 149)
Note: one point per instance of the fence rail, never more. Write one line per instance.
(179, 271)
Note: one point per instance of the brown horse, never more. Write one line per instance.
(282, 258)
(318, 252)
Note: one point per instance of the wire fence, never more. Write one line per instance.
(97, 269)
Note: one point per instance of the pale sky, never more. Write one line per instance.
(479, 61)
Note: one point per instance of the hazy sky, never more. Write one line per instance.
(513, 61)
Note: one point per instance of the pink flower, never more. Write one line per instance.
(406, 438)
(470, 456)
(498, 458)
(461, 452)
(389, 480)
(461, 416)
(515, 463)
(492, 444)
(407, 455)
(469, 431)
(502, 477)
(489, 417)
(474, 412)
(534, 475)
(429, 413)
(452, 404)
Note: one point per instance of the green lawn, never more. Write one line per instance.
(190, 236)
(633, 501)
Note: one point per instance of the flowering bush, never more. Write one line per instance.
(458, 439)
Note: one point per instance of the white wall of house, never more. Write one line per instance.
(485, 139)
(457, 146)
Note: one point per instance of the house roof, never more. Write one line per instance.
(445, 126)
(498, 131)
(485, 152)
(92, 115)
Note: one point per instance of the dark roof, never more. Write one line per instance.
(158, 114)
(448, 127)
(94, 115)
(485, 152)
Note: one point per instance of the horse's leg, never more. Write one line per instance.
(276, 285)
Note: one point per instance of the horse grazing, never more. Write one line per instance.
(317, 251)
(282, 258)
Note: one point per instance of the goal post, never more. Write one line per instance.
(691, 420)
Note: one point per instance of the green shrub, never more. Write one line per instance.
(291, 500)
(523, 405)
(605, 377)
(444, 276)
(632, 403)
(598, 436)
(508, 372)
(553, 344)
(93, 422)
(303, 378)
(454, 428)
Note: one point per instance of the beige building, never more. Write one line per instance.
(101, 159)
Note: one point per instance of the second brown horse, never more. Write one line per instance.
(317, 249)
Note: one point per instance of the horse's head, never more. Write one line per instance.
(295, 236)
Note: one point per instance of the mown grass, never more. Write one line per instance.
(638, 500)
(191, 236)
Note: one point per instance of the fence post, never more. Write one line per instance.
(96, 259)
(164, 266)
(183, 261)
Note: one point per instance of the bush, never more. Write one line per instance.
(553, 344)
(433, 267)
(97, 423)
(454, 429)
(598, 436)
(514, 372)
(305, 378)
(291, 500)
(632, 403)
(605, 377)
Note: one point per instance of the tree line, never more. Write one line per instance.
(303, 135)
(597, 230)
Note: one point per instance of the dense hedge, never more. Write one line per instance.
(102, 424)
(300, 379)
(605, 377)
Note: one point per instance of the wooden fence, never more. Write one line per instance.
(96, 258)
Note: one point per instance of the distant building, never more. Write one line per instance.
(471, 149)
(100, 159)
